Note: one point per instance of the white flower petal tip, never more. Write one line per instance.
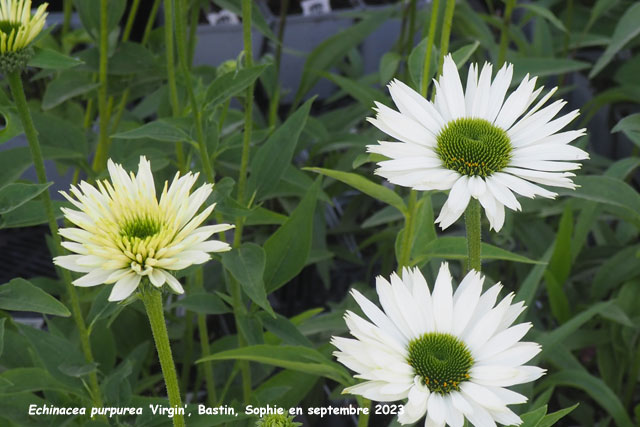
(528, 147)
(479, 351)
(124, 233)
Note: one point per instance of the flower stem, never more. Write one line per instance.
(67, 9)
(204, 344)
(181, 41)
(474, 234)
(248, 109)
(504, 33)
(433, 24)
(17, 90)
(130, 19)
(171, 73)
(152, 299)
(238, 305)
(408, 232)
(446, 32)
(363, 419)
(100, 159)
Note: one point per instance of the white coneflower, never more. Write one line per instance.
(450, 354)
(125, 234)
(475, 143)
(17, 27)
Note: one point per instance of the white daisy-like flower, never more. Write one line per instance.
(124, 234)
(450, 354)
(17, 27)
(477, 144)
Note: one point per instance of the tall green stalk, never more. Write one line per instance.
(446, 32)
(171, 74)
(130, 19)
(504, 33)
(433, 25)
(408, 232)
(100, 159)
(236, 293)
(275, 100)
(17, 90)
(473, 224)
(181, 38)
(152, 299)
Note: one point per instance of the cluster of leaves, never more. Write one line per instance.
(319, 222)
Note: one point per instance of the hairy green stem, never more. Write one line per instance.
(363, 419)
(100, 159)
(433, 25)
(275, 100)
(67, 9)
(203, 332)
(504, 33)
(407, 234)
(145, 38)
(187, 355)
(473, 225)
(186, 75)
(130, 20)
(152, 300)
(446, 32)
(171, 74)
(17, 90)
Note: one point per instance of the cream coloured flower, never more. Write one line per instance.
(124, 234)
(451, 355)
(17, 27)
(477, 144)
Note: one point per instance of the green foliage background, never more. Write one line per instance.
(316, 221)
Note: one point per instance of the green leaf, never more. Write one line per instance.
(532, 418)
(559, 268)
(594, 387)
(49, 59)
(297, 358)
(2, 334)
(67, 85)
(415, 63)
(388, 66)
(288, 248)
(367, 187)
(35, 379)
(607, 190)
(363, 93)
(630, 126)
(21, 295)
(202, 303)
(549, 340)
(333, 49)
(627, 28)
(12, 125)
(29, 214)
(552, 418)
(230, 84)
(544, 13)
(529, 286)
(17, 194)
(284, 329)
(456, 248)
(246, 264)
(543, 67)
(615, 270)
(160, 130)
(274, 156)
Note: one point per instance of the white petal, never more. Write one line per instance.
(443, 300)
(435, 408)
(465, 300)
(451, 88)
(502, 194)
(482, 396)
(173, 283)
(456, 203)
(124, 287)
(499, 89)
(93, 278)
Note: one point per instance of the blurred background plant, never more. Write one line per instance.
(263, 99)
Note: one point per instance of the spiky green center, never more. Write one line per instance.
(441, 360)
(140, 227)
(473, 147)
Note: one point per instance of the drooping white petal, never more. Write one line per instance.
(124, 287)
